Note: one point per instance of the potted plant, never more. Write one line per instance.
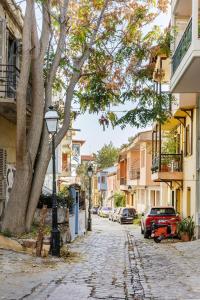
(186, 229)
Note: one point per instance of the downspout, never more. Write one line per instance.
(197, 167)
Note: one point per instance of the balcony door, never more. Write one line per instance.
(11, 66)
(188, 202)
(178, 201)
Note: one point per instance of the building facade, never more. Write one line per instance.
(134, 173)
(11, 24)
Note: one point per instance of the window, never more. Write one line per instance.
(162, 211)
(103, 179)
(64, 162)
(2, 40)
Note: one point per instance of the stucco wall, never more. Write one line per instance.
(8, 139)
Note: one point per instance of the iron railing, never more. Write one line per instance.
(122, 181)
(167, 163)
(183, 46)
(134, 174)
(9, 78)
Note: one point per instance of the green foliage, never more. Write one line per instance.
(81, 171)
(107, 156)
(137, 220)
(64, 199)
(6, 233)
(187, 225)
(169, 143)
(119, 200)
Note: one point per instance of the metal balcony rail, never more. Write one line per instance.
(134, 174)
(167, 163)
(9, 78)
(182, 47)
(122, 181)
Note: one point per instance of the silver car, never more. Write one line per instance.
(116, 214)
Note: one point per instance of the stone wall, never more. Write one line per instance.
(62, 218)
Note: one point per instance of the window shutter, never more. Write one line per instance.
(3, 166)
(2, 41)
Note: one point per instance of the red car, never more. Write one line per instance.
(154, 214)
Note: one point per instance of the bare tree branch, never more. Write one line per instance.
(57, 58)
(44, 39)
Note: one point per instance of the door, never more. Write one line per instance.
(178, 201)
(188, 202)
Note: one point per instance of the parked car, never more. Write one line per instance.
(99, 210)
(105, 212)
(116, 214)
(111, 213)
(126, 215)
(95, 210)
(153, 215)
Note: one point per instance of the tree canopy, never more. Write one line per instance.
(107, 156)
(93, 53)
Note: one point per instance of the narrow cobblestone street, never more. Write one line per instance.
(112, 262)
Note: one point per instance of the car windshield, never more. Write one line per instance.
(162, 211)
(128, 212)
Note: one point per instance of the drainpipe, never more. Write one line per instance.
(197, 168)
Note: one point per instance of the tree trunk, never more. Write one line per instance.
(15, 211)
(38, 179)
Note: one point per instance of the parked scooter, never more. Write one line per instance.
(163, 229)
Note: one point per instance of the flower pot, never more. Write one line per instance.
(185, 237)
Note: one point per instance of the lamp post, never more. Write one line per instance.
(51, 118)
(90, 173)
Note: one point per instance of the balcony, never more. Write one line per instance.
(167, 167)
(134, 174)
(186, 58)
(123, 183)
(183, 47)
(9, 78)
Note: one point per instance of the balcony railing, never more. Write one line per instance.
(9, 77)
(167, 163)
(183, 46)
(134, 174)
(122, 181)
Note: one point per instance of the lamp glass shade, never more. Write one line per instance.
(51, 118)
(90, 171)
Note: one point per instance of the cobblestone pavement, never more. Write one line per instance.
(112, 262)
(104, 269)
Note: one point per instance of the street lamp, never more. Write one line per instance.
(51, 118)
(90, 173)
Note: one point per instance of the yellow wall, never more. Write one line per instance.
(8, 139)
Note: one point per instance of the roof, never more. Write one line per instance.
(110, 170)
(143, 136)
(78, 142)
(87, 158)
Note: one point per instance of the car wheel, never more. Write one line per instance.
(157, 240)
(146, 234)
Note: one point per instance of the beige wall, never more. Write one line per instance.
(8, 139)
